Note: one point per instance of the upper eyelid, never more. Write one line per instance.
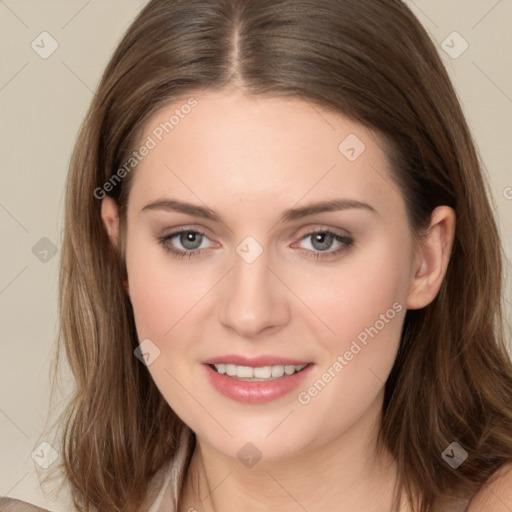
(318, 227)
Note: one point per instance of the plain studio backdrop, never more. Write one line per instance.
(52, 56)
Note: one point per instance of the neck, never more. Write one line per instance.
(344, 474)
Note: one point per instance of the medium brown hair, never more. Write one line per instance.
(370, 60)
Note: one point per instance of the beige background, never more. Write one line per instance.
(42, 102)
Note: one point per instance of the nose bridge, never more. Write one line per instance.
(251, 300)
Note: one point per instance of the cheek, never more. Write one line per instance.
(160, 293)
(166, 299)
(362, 306)
(153, 299)
(359, 293)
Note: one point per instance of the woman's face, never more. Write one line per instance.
(224, 267)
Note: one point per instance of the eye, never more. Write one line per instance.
(190, 241)
(322, 240)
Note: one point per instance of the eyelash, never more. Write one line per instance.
(346, 242)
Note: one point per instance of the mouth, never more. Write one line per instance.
(258, 373)
(265, 380)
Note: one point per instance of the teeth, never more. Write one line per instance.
(261, 372)
(277, 371)
(264, 372)
(289, 370)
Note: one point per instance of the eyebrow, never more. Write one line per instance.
(291, 214)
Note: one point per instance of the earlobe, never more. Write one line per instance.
(110, 217)
(432, 258)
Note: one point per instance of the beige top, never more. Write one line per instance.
(165, 487)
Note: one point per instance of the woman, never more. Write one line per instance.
(281, 275)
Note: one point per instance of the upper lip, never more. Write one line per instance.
(255, 362)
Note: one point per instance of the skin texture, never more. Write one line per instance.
(249, 160)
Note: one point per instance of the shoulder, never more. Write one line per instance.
(13, 505)
(496, 494)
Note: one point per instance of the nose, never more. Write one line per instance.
(253, 299)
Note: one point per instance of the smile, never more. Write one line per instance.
(256, 384)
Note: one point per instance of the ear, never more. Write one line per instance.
(110, 217)
(432, 258)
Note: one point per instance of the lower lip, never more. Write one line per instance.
(256, 392)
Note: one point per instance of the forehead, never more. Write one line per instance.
(254, 149)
